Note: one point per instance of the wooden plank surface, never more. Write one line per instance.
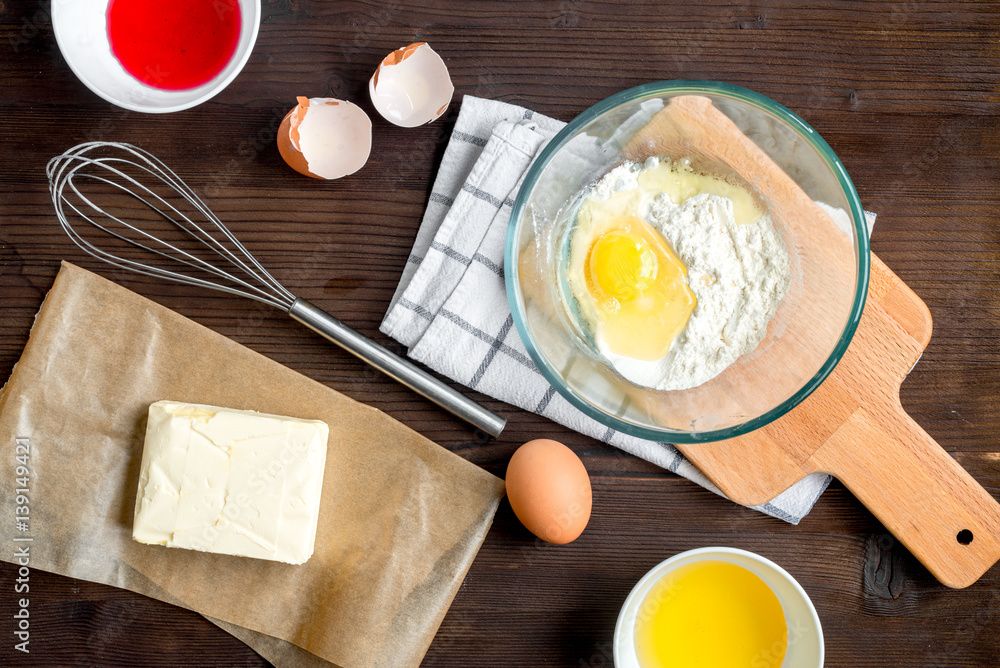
(906, 93)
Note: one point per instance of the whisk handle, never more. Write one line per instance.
(395, 367)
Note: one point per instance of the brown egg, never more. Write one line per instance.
(549, 490)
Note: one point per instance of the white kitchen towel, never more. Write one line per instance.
(451, 308)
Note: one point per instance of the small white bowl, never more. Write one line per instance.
(805, 635)
(81, 31)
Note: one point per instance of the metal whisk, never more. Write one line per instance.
(124, 174)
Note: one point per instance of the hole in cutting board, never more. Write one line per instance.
(964, 537)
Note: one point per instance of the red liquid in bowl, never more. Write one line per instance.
(174, 44)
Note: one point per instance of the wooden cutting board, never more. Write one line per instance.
(854, 428)
(853, 425)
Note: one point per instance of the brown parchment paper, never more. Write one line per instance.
(401, 518)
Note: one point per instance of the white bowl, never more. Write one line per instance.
(81, 31)
(805, 635)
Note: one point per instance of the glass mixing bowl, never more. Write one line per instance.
(746, 138)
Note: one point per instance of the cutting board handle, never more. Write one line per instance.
(917, 490)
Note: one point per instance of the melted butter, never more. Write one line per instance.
(680, 181)
(710, 614)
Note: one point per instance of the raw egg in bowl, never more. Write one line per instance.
(193, 50)
(686, 261)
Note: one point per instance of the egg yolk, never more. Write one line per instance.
(640, 289)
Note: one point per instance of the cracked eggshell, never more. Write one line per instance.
(325, 138)
(411, 86)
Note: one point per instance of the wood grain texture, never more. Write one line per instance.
(905, 92)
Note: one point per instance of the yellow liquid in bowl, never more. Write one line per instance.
(710, 614)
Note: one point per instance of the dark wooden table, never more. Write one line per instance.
(906, 93)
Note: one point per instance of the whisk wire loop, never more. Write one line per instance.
(92, 162)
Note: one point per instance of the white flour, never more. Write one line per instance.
(739, 274)
(623, 177)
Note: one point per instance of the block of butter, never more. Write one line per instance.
(230, 481)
